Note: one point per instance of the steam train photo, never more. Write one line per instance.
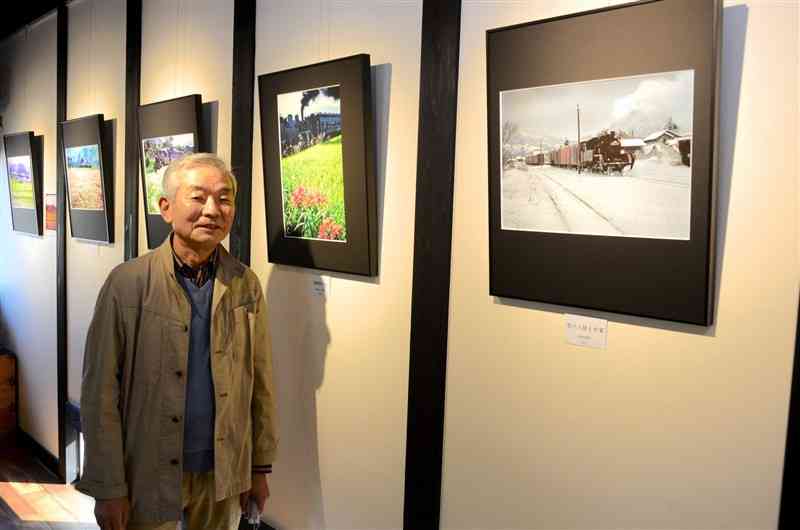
(600, 154)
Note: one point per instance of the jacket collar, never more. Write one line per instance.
(227, 269)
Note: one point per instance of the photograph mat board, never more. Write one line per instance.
(352, 77)
(311, 163)
(641, 188)
(670, 279)
(158, 152)
(84, 179)
(20, 179)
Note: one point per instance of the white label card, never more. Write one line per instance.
(321, 286)
(586, 331)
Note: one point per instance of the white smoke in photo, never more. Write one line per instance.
(653, 104)
(638, 105)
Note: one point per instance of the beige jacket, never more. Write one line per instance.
(134, 384)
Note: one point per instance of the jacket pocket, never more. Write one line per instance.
(242, 320)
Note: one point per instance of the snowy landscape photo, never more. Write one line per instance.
(608, 157)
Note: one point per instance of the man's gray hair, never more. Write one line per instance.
(171, 179)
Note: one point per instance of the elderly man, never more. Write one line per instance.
(177, 402)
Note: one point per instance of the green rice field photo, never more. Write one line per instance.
(20, 179)
(158, 153)
(84, 179)
(312, 178)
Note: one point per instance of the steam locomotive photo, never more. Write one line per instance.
(608, 157)
(603, 153)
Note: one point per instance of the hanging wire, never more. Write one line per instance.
(90, 77)
(185, 23)
(175, 55)
(93, 84)
(327, 22)
(26, 83)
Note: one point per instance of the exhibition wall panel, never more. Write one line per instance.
(187, 49)
(671, 425)
(28, 282)
(96, 85)
(341, 360)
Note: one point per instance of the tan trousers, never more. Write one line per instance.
(200, 510)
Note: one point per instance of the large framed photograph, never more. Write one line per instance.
(89, 171)
(319, 166)
(602, 159)
(167, 130)
(24, 170)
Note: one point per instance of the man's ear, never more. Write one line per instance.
(166, 209)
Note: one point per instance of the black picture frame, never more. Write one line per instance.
(173, 117)
(358, 254)
(650, 277)
(91, 224)
(26, 144)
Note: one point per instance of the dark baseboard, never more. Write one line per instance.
(40, 453)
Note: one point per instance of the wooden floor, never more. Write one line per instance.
(32, 497)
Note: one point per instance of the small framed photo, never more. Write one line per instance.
(90, 178)
(603, 159)
(24, 170)
(319, 166)
(167, 130)
(50, 208)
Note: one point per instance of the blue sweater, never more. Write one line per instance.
(198, 426)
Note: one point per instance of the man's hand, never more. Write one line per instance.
(259, 490)
(112, 514)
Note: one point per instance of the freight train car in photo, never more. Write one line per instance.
(600, 154)
(538, 159)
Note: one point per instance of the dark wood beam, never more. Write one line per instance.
(244, 67)
(430, 294)
(62, 39)
(133, 76)
(789, 517)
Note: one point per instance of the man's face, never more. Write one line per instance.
(202, 212)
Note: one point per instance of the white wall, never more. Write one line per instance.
(95, 85)
(341, 363)
(671, 426)
(28, 262)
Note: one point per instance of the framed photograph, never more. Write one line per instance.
(50, 207)
(88, 162)
(602, 159)
(24, 169)
(167, 130)
(319, 166)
